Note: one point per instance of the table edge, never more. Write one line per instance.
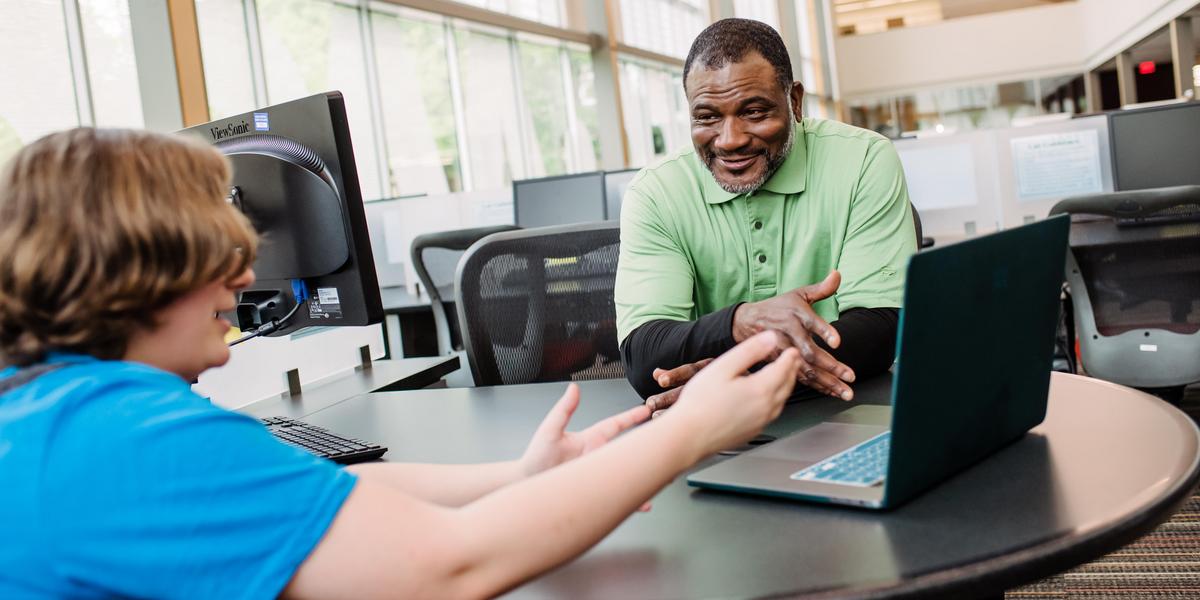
(992, 576)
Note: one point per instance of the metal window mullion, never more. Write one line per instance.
(85, 110)
(574, 158)
(514, 59)
(644, 109)
(375, 98)
(826, 45)
(895, 102)
(258, 73)
(458, 102)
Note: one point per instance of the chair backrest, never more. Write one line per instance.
(537, 304)
(1134, 275)
(435, 258)
(922, 241)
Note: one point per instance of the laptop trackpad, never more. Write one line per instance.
(819, 442)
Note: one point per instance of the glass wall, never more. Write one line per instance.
(818, 96)
(35, 28)
(766, 11)
(656, 113)
(418, 116)
(112, 70)
(663, 26)
(459, 105)
(65, 72)
(436, 104)
(490, 117)
(225, 46)
(968, 108)
(549, 12)
(313, 46)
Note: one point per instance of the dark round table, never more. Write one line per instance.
(1107, 466)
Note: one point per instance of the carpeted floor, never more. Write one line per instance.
(1163, 564)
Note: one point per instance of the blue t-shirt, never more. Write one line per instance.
(117, 480)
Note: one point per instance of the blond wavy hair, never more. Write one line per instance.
(101, 228)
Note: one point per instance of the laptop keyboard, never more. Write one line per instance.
(862, 465)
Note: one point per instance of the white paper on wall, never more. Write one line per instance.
(941, 176)
(1057, 165)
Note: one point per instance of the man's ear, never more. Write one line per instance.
(797, 98)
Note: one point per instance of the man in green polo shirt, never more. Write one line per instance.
(770, 222)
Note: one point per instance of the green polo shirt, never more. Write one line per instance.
(839, 201)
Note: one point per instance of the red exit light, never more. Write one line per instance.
(1146, 67)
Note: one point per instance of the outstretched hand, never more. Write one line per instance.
(726, 406)
(553, 445)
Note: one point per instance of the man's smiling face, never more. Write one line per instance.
(742, 121)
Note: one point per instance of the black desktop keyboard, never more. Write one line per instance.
(322, 442)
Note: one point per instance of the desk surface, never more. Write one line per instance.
(384, 375)
(1107, 466)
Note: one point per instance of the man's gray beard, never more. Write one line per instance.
(773, 164)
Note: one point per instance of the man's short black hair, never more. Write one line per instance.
(729, 40)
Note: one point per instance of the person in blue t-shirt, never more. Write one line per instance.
(117, 252)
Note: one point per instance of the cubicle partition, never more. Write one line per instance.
(1043, 164)
(952, 182)
(982, 181)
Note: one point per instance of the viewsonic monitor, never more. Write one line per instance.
(294, 177)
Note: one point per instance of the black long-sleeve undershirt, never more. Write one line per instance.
(868, 343)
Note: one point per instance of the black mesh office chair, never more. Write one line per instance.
(922, 241)
(1134, 276)
(435, 258)
(537, 304)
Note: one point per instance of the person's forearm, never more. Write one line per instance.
(447, 485)
(868, 343)
(559, 513)
(666, 344)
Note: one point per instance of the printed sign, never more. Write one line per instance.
(1057, 165)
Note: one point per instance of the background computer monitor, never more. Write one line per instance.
(1156, 147)
(615, 183)
(295, 179)
(577, 198)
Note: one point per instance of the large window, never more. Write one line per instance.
(418, 111)
(45, 98)
(436, 104)
(112, 70)
(490, 116)
(66, 63)
(664, 26)
(656, 114)
(552, 94)
(313, 46)
(549, 12)
(766, 11)
(585, 123)
(225, 46)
